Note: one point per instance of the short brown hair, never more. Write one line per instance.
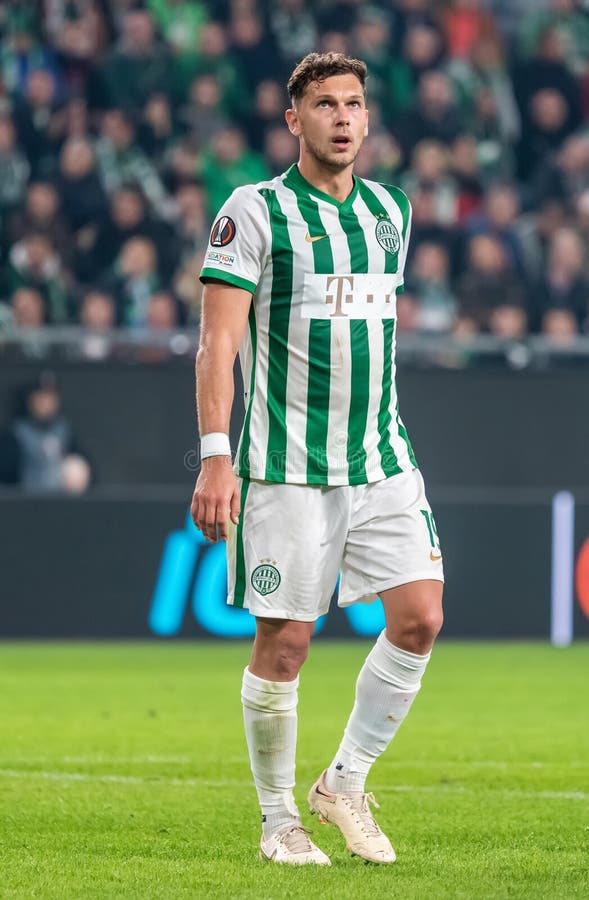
(319, 66)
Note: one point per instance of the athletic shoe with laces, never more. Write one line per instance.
(291, 844)
(351, 813)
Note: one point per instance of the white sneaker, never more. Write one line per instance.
(291, 844)
(351, 813)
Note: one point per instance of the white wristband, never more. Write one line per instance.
(214, 444)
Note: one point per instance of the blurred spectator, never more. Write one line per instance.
(14, 168)
(465, 22)
(293, 28)
(498, 218)
(202, 117)
(434, 115)
(97, 317)
(490, 294)
(379, 156)
(253, 50)
(28, 308)
(570, 19)
(192, 220)
(20, 50)
(138, 66)
(422, 51)
(39, 451)
(564, 284)
(279, 149)
(83, 197)
(564, 175)
(211, 57)
(136, 279)
(429, 171)
(429, 281)
(229, 164)
(268, 112)
(32, 116)
(41, 214)
(33, 263)
(180, 22)
(127, 217)
(157, 132)
(549, 99)
(559, 326)
(98, 311)
(465, 169)
(121, 161)
(163, 312)
(483, 80)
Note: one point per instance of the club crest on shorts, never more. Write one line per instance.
(265, 579)
(223, 232)
(387, 236)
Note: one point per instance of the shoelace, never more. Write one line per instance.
(360, 805)
(296, 840)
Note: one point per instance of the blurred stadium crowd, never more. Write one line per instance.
(124, 126)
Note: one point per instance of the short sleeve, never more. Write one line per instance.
(239, 241)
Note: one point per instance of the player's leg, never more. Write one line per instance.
(269, 697)
(389, 680)
(392, 552)
(281, 527)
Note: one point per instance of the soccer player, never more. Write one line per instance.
(301, 276)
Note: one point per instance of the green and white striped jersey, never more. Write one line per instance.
(318, 359)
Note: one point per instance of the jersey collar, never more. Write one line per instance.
(295, 180)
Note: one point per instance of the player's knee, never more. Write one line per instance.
(291, 651)
(418, 633)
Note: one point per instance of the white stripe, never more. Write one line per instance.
(258, 431)
(298, 339)
(341, 355)
(163, 781)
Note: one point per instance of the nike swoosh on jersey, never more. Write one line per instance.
(433, 557)
(311, 240)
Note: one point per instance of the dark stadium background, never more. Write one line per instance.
(123, 127)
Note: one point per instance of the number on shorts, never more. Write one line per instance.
(431, 527)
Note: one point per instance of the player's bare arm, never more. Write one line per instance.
(224, 317)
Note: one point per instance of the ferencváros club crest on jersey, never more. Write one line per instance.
(265, 579)
(387, 236)
(223, 232)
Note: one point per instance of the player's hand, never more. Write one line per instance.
(216, 498)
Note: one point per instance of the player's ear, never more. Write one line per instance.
(366, 125)
(292, 120)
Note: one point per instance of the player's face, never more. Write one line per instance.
(331, 120)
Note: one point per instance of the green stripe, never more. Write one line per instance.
(240, 579)
(244, 445)
(280, 302)
(388, 458)
(319, 356)
(360, 356)
(220, 275)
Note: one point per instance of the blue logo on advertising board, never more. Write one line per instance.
(194, 572)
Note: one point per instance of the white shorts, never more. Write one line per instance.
(293, 540)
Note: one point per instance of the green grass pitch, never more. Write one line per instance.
(123, 774)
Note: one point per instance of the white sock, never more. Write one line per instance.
(270, 717)
(387, 685)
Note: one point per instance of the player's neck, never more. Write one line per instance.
(338, 185)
